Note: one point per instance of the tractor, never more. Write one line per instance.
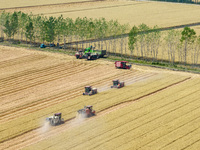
(122, 65)
(56, 119)
(90, 54)
(90, 91)
(117, 84)
(86, 112)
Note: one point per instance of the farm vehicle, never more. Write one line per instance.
(86, 112)
(90, 91)
(122, 65)
(117, 84)
(56, 119)
(50, 45)
(90, 54)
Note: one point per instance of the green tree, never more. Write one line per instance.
(132, 38)
(23, 18)
(29, 30)
(2, 22)
(187, 38)
(14, 23)
(50, 26)
(172, 40)
(142, 38)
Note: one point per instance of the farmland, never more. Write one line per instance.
(157, 108)
(23, 3)
(132, 12)
(126, 12)
(32, 91)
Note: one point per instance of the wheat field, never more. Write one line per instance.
(37, 84)
(157, 109)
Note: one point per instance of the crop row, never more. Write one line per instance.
(61, 97)
(56, 98)
(120, 129)
(106, 99)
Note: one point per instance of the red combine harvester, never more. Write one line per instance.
(117, 84)
(122, 65)
(86, 112)
(90, 91)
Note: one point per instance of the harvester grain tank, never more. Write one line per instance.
(56, 119)
(122, 65)
(86, 112)
(117, 84)
(90, 91)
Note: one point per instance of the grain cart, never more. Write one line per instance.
(117, 84)
(90, 91)
(122, 65)
(86, 112)
(56, 119)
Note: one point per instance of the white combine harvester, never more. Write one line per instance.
(56, 119)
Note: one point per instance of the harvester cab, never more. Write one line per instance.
(117, 84)
(86, 112)
(122, 65)
(56, 119)
(90, 91)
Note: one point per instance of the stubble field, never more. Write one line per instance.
(157, 109)
(154, 105)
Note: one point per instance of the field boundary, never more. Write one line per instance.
(50, 4)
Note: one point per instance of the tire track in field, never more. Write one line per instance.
(124, 123)
(69, 3)
(30, 76)
(103, 79)
(93, 8)
(60, 97)
(105, 111)
(112, 108)
(22, 74)
(121, 116)
(21, 60)
(27, 131)
(43, 81)
(46, 79)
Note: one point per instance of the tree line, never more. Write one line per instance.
(51, 29)
(143, 41)
(180, 45)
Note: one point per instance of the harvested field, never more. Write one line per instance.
(49, 83)
(157, 109)
(132, 12)
(31, 3)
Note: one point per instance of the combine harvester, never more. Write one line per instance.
(90, 54)
(86, 112)
(90, 91)
(56, 119)
(117, 84)
(122, 65)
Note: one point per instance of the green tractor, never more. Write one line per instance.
(90, 54)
